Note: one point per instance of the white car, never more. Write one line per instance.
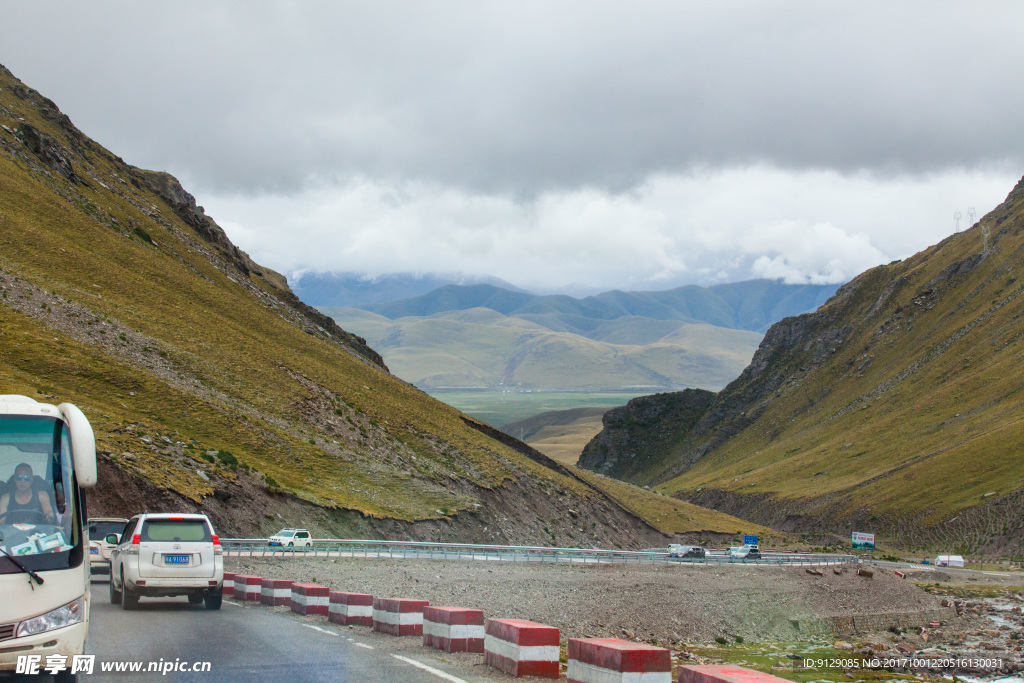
(162, 555)
(99, 548)
(298, 538)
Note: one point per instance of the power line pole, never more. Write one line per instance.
(956, 217)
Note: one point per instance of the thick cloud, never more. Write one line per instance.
(710, 227)
(526, 97)
(528, 128)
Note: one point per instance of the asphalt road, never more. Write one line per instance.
(256, 643)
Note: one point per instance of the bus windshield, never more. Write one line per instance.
(39, 517)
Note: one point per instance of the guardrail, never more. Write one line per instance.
(258, 547)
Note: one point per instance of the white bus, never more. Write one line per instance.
(47, 456)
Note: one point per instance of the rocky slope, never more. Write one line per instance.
(896, 407)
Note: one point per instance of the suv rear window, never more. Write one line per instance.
(176, 530)
(99, 530)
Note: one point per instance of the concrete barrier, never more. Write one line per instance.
(248, 587)
(350, 609)
(309, 598)
(276, 592)
(521, 648)
(453, 629)
(398, 616)
(611, 660)
(229, 584)
(724, 674)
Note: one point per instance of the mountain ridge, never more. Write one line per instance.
(211, 387)
(895, 406)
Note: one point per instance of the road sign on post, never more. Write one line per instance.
(863, 541)
(749, 540)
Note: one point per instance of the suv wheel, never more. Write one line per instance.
(291, 545)
(129, 598)
(115, 595)
(195, 598)
(213, 600)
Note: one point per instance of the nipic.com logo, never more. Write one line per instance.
(33, 665)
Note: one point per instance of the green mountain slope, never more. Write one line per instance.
(898, 406)
(480, 347)
(212, 387)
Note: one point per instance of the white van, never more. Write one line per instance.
(949, 561)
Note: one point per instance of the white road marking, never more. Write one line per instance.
(231, 603)
(368, 647)
(436, 672)
(322, 630)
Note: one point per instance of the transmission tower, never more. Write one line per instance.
(970, 216)
(956, 217)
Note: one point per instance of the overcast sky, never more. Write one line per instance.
(635, 145)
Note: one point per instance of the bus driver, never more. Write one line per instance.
(23, 504)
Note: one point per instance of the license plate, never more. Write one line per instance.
(94, 551)
(175, 559)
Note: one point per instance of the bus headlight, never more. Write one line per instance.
(67, 615)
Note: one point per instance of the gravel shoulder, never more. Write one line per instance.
(665, 604)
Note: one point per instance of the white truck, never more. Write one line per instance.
(47, 458)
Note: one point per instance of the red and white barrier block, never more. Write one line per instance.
(248, 588)
(453, 629)
(229, 584)
(350, 608)
(276, 592)
(724, 674)
(309, 598)
(521, 648)
(611, 660)
(399, 616)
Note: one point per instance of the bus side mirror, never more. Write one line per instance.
(83, 444)
(112, 539)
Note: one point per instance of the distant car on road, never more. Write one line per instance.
(298, 538)
(99, 548)
(688, 551)
(745, 552)
(162, 555)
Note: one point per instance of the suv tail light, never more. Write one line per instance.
(133, 549)
(217, 549)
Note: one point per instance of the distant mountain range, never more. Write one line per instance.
(482, 336)
(358, 290)
(751, 305)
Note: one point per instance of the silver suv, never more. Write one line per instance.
(163, 555)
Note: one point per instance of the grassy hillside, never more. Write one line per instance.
(559, 434)
(899, 405)
(480, 347)
(671, 515)
(210, 385)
